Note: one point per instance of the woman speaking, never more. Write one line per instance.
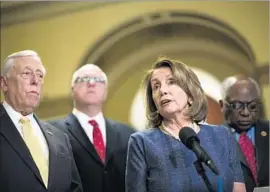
(157, 159)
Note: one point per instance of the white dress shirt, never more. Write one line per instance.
(88, 129)
(15, 117)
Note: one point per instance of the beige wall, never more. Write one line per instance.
(63, 40)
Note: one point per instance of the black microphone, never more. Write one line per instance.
(192, 142)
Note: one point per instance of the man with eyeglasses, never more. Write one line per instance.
(241, 105)
(99, 144)
(34, 156)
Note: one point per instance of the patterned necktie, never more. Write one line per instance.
(247, 148)
(34, 146)
(98, 140)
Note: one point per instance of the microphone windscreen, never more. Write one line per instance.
(187, 135)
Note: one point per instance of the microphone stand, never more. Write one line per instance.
(201, 171)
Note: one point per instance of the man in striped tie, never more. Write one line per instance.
(99, 144)
(34, 156)
(241, 107)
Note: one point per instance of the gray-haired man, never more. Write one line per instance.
(34, 156)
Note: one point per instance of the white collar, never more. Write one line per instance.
(98, 118)
(14, 115)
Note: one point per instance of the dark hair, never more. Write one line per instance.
(187, 80)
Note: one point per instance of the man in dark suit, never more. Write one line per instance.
(34, 156)
(240, 105)
(99, 144)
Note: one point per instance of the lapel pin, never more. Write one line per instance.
(263, 133)
(49, 132)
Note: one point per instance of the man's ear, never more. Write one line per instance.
(71, 91)
(105, 95)
(3, 83)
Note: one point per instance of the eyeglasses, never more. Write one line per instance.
(252, 106)
(88, 79)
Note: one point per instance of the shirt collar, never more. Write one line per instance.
(250, 130)
(98, 118)
(14, 115)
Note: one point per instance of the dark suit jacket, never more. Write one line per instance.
(18, 171)
(95, 176)
(262, 157)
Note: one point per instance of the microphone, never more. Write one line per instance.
(192, 142)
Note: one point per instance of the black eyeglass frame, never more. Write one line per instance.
(252, 106)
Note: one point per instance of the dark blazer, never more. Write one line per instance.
(19, 173)
(95, 176)
(262, 157)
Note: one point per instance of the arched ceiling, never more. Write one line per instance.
(62, 32)
(250, 19)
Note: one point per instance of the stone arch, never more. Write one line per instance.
(163, 25)
(199, 40)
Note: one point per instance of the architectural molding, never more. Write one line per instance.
(39, 10)
(262, 74)
(165, 25)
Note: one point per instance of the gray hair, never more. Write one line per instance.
(9, 61)
(87, 67)
(229, 81)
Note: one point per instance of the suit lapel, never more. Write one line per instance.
(77, 131)
(9, 131)
(52, 149)
(239, 152)
(261, 141)
(241, 156)
(112, 137)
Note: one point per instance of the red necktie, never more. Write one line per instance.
(247, 148)
(98, 140)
